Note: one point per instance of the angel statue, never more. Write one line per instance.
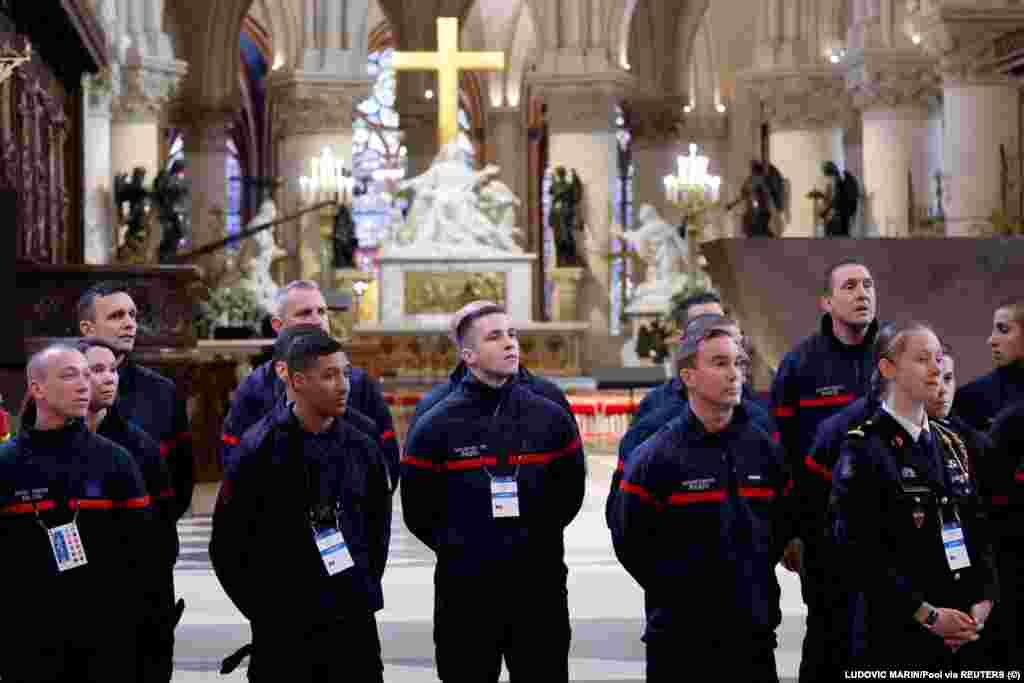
(669, 246)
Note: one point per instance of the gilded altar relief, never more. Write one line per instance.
(429, 293)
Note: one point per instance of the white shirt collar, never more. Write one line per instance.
(912, 429)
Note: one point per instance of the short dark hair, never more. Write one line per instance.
(86, 343)
(689, 361)
(466, 324)
(683, 308)
(288, 335)
(306, 349)
(830, 273)
(86, 307)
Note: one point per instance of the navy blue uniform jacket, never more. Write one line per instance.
(535, 383)
(815, 380)
(258, 394)
(262, 544)
(149, 400)
(647, 426)
(1004, 474)
(56, 474)
(979, 402)
(453, 451)
(700, 523)
(886, 491)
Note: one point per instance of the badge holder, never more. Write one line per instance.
(953, 542)
(330, 543)
(65, 542)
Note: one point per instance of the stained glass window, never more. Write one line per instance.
(622, 192)
(233, 176)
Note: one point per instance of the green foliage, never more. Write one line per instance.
(653, 340)
(234, 306)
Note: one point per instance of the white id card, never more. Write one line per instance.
(333, 551)
(504, 497)
(67, 547)
(956, 549)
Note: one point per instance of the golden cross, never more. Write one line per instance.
(447, 62)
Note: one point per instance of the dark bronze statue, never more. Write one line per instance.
(131, 197)
(345, 240)
(170, 197)
(566, 195)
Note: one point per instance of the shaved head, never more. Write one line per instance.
(41, 361)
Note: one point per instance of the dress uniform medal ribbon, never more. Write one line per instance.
(65, 541)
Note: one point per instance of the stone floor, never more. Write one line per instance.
(605, 603)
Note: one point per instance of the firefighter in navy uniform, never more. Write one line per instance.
(700, 523)
(907, 518)
(74, 524)
(491, 477)
(322, 540)
(1005, 478)
(979, 402)
(823, 374)
(301, 303)
(159, 616)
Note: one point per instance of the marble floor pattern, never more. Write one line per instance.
(605, 604)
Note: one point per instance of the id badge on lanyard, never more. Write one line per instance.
(504, 497)
(65, 543)
(954, 543)
(331, 545)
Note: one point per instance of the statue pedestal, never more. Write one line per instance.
(417, 290)
(566, 294)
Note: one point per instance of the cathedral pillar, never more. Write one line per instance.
(981, 105)
(980, 119)
(805, 111)
(893, 92)
(581, 136)
(310, 113)
(206, 138)
(506, 148)
(98, 190)
(143, 90)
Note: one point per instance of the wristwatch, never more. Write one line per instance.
(933, 616)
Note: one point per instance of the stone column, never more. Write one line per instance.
(100, 223)
(206, 136)
(979, 117)
(310, 112)
(805, 110)
(143, 89)
(506, 148)
(893, 90)
(581, 137)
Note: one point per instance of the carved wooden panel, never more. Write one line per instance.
(34, 128)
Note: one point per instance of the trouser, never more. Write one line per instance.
(342, 651)
(84, 653)
(727, 657)
(527, 628)
(155, 636)
(1006, 618)
(831, 614)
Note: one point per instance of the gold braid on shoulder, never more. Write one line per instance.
(954, 443)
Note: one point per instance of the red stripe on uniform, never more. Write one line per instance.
(776, 437)
(545, 458)
(696, 497)
(135, 503)
(1000, 500)
(92, 504)
(230, 440)
(387, 435)
(166, 493)
(185, 436)
(839, 400)
(28, 508)
(621, 467)
(1018, 476)
(756, 492)
(785, 411)
(789, 488)
(422, 463)
(819, 469)
(469, 464)
(640, 491)
(165, 448)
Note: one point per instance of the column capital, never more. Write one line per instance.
(879, 78)
(583, 102)
(971, 43)
(803, 99)
(144, 87)
(311, 102)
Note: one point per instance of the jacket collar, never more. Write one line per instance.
(827, 332)
(461, 371)
(29, 436)
(695, 430)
